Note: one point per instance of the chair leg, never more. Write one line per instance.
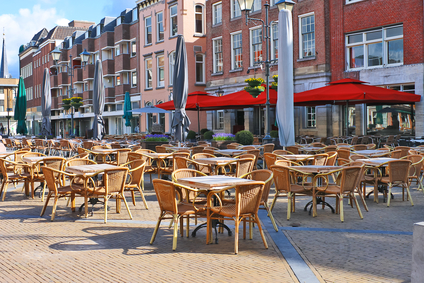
(357, 206)
(44, 190)
(56, 198)
(85, 206)
(363, 201)
(126, 205)
(45, 204)
(271, 217)
(273, 201)
(289, 200)
(208, 227)
(236, 235)
(133, 197)
(251, 228)
(1, 190)
(175, 237)
(389, 195)
(156, 229)
(181, 226)
(256, 219)
(409, 195)
(244, 228)
(106, 199)
(188, 226)
(341, 208)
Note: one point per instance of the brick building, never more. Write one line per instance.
(160, 23)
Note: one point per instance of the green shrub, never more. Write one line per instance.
(274, 134)
(244, 137)
(191, 135)
(208, 135)
(203, 131)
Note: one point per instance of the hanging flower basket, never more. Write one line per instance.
(254, 91)
(76, 99)
(76, 105)
(253, 82)
(274, 85)
(66, 101)
(67, 106)
(275, 77)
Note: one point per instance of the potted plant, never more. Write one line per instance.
(244, 137)
(221, 140)
(252, 82)
(76, 102)
(151, 141)
(274, 84)
(255, 86)
(191, 136)
(66, 103)
(208, 135)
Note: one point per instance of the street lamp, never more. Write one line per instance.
(246, 6)
(219, 92)
(84, 59)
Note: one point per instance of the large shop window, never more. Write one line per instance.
(375, 48)
(392, 119)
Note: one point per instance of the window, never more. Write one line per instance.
(200, 68)
(220, 119)
(217, 56)
(161, 71)
(198, 15)
(274, 41)
(173, 20)
(133, 48)
(159, 27)
(118, 80)
(133, 79)
(171, 67)
(236, 51)
(119, 107)
(1, 90)
(375, 48)
(310, 117)
(256, 5)
(255, 46)
(217, 13)
(307, 36)
(134, 14)
(235, 9)
(148, 30)
(149, 74)
(117, 50)
(135, 105)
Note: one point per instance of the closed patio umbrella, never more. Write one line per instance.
(285, 107)
(180, 122)
(127, 109)
(149, 109)
(98, 102)
(20, 108)
(46, 104)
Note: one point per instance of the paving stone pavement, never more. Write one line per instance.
(34, 249)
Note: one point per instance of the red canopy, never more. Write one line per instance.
(194, 100)
(239, 99)
(353, 92)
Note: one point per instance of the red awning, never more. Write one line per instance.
(194, 100)
(353, 92)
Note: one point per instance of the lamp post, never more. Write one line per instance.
(84, 59)
(246, 6)
(219, 92)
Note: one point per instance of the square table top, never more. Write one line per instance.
(376, 161)
(104, 150)
(89, 168)
(311, 149)
(210, 182)
(230, 151)
(215, 160)
(33, 159)
(156, 155)
(316, 168)
(296, 157)
(371, 152)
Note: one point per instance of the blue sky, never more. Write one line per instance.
(21, 19)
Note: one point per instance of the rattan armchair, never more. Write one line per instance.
(246, 206)
(415, 171)
(242, 166)
(398, 175)
(136, 181)
(12, 172)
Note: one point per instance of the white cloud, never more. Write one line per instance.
(21, 27)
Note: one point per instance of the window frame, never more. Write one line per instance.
(171, 64)
(233, 4)
(256, 7)
(171, 17)
(233, 57)
(301, 45)
(214, 13)
(203, 81)
(308, 119)
(148, 84)
(384, 40)
(133, 46)
(160, 83)
(251, 45)
(159, 26)
(134, 74)
(146, 31)
(202, 32)
(220, 120)
(274, 42)
(214, 54)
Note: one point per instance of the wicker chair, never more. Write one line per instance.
(243, 166)
(281, 152)
(285, 185)
(197, 149)
(246, 206)
(293, 149)
(161, 149)
(87, 144)
(39, 146)
(12, 172)
(343, 153)
(112, 186)
(37, 175)
(121, 156)
(398, 171)
(360, 147)
(268, 147)
(171, 208)
(202, 155)
(355, 157)
(136, 173)
(270, 159)
(320, 159)
(232, 146)
(66, 148)
(330, 148)
(349, 178)
(57, 190)
(415, 171)
(266, 176)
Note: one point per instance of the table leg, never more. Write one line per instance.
(26, 184)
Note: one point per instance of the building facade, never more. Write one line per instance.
(160, 24)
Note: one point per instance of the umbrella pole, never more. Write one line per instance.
(198, 119)
(347, 118)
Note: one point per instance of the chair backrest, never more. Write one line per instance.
(87, 144)
(293, 149)
(360, 147)
(116, 145)
(161, 149)
(265, 176)
(32, 154)
(166, 195)
(399, 170)
(114, 179)
(209, 151)
(197, 149)
(371, 146)
(350, 178)
(282, 178)
(180, 162)
(354, 140)
(268, 147)
(332, 158)
(248, 147)
(78, 162)
(202, 155)
(19, 153)
(320, 159)
(256, 153)
(98, 147)
(244, 166)
(65, 144)
(355, 157)
(317, 144)
(144, 150)
(343, 153)
(248, 197)
(417, 164)
(270, 159)
(134, 156)
(54, 162)
(136, 171)
(396, 154)
(342, 161)
(50, 176)
(330, 148)
(186, 173)
(122, 155)
(232, 146)
(280, 152)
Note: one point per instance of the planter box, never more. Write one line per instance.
(221, 144)
(151, 144)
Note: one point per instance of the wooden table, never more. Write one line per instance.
(89, 168)
(297, 157)
(211, 182)
(33, 159)
(230, 151)
(313, 149)
(371, 152)
(215, 161)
